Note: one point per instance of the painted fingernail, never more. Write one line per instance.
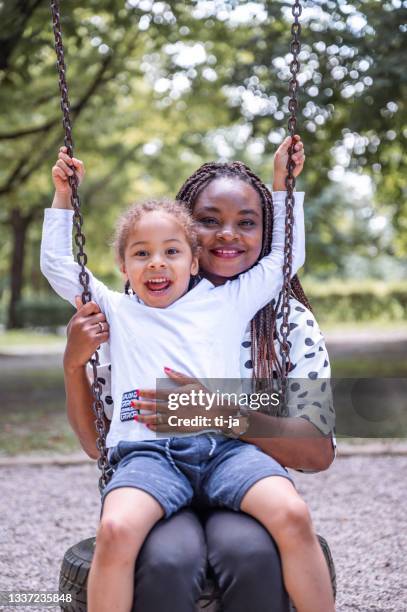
(136, 417)
(167, 370)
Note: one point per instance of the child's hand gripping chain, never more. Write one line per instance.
(64, 167)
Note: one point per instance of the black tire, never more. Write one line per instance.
(330, 562)
(75, 568)
(74, 575)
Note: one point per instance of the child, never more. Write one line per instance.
(201, 328)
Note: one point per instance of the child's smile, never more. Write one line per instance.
(158, 260)
(158, 285)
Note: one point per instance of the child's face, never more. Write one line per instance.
(158, 260)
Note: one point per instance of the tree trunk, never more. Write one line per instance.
(19, 226)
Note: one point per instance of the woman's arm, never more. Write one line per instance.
(305, 439)
(79, 409)
(293, 442)
(84, 337)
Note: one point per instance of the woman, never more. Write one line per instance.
(172, 566)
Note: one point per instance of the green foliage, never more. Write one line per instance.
(351, 302)
(50, 312)
(158, 88)
(331, 302)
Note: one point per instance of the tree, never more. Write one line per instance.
(106, 46)
(157, 88)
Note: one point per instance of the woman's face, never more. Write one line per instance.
(230, 227)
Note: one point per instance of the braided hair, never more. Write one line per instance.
(263, 325)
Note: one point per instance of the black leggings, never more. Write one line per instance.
(171, 567)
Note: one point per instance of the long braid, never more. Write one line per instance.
(299, 293)
(263, 325)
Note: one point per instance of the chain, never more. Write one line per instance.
(81, 257)
(293, 86)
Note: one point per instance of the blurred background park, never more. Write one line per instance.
(157, 88)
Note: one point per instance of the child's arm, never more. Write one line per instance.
(257, 287)
(57, 261)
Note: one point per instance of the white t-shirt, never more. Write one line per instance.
(199, 334)
(309, 361)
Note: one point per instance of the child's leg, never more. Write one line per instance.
(128, 515)
(275, 503)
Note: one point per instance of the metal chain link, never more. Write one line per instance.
(81, 257)
(293, 86)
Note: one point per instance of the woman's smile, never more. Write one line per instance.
(226, 252)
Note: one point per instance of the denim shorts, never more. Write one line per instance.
(205, 470)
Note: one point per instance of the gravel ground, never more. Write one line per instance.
(358, 505)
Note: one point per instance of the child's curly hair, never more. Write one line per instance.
(132, 215)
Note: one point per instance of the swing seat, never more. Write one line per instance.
(75, 568)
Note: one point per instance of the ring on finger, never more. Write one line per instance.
(101, 328)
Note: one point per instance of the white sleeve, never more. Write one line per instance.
(57, 260)
(259, 285)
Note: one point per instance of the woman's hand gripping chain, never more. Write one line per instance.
(281, 159)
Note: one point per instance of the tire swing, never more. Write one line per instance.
(77, 560)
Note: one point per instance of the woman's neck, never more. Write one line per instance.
(215, 279)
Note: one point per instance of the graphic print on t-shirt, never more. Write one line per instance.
(127, 412)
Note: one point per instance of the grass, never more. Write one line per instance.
(32, 401)
(364, 366)
(28, 337)
(32, 412)
(35, 431)
(362, 326)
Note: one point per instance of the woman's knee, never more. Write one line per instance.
(162, 559)
(246, 563)
(171, 567)
(234, 537)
